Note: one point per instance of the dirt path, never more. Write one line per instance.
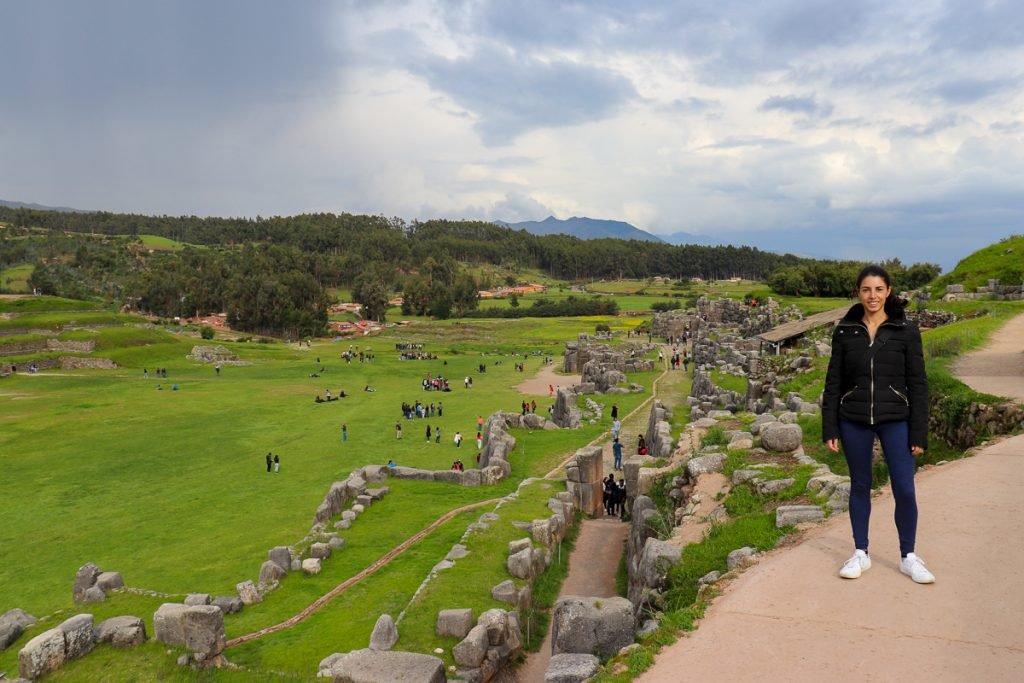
(348, 583)
(998, 367)
(546, 377)
(595, 559)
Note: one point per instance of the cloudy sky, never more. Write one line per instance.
(852, 129)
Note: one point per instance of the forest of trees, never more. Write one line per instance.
(271, 275)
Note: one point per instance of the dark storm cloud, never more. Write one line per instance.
(512, 93)
(972, 26)
(798, 105)
(969, 90)
(121, 53)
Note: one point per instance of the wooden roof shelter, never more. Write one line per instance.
(778, 336)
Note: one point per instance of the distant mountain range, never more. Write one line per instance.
(583, 228)
(38, 207)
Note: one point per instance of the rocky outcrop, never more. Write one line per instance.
(126, 631)
(12, 624)
(572, 668)
(584, 475)
(595, 626)
(565, 413)
(382, 666)
(51, 649)
(659, 431)
(214, 354)
(489, 646)
(92, 583)
(385, 633)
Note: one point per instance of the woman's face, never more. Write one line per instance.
(872, 293)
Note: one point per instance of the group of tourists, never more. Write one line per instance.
(273, 463)
(614, 495)
(457, 466)
(528, 407)
(420, 410)
(159, 372)
(438, 383)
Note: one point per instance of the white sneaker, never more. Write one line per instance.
(859, 563)
(913, 566)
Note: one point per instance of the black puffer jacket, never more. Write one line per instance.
(892, 386)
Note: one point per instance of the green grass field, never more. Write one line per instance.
(170, 487)
(14, 279)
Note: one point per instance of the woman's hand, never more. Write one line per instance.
(916, 451)
(833, 445)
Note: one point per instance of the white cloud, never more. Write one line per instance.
(875, 127)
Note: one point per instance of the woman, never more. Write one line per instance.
(876, 386)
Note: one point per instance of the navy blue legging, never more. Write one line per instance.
(858, 440)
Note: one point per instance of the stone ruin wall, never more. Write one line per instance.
(993, 290)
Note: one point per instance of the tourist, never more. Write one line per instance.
(398, 430)
(617, 452)
(615, 411)
(458, 439)
(533, 407)
(641, 445)
(551, 390)
(437, 435)
(479, 440)
(428, 433)
(277, 464)
(616, 427)
(344, 432)
(876, 387)
(145, 373)
(270, 461)
(609, 493)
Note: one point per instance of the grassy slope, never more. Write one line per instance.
(1003, 260)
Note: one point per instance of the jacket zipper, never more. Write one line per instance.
(872, 390)
(905, 400)
(844, 397)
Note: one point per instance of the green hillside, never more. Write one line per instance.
(1003, 260)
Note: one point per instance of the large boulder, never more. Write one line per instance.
(455, 622)
(197, 599)
(320, 551)
(385, 633)
(42, 655)
(12, 625)
(781, 438)
(281, 556)
(788, 515)
(85, 578)
(78, 639)
(126, 631)
(248, 593)
(110, 581)
(168, 623)
(311, 566)
(9, 632)
(203, 627)
(597, 626)
(656, 560)
(712, 462)
(271, 571)
(382, 666)
(520, 564)
(228, 604)
(470, 652)
(506, 591)
(571, 668)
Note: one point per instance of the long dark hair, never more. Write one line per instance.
(892, 303)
